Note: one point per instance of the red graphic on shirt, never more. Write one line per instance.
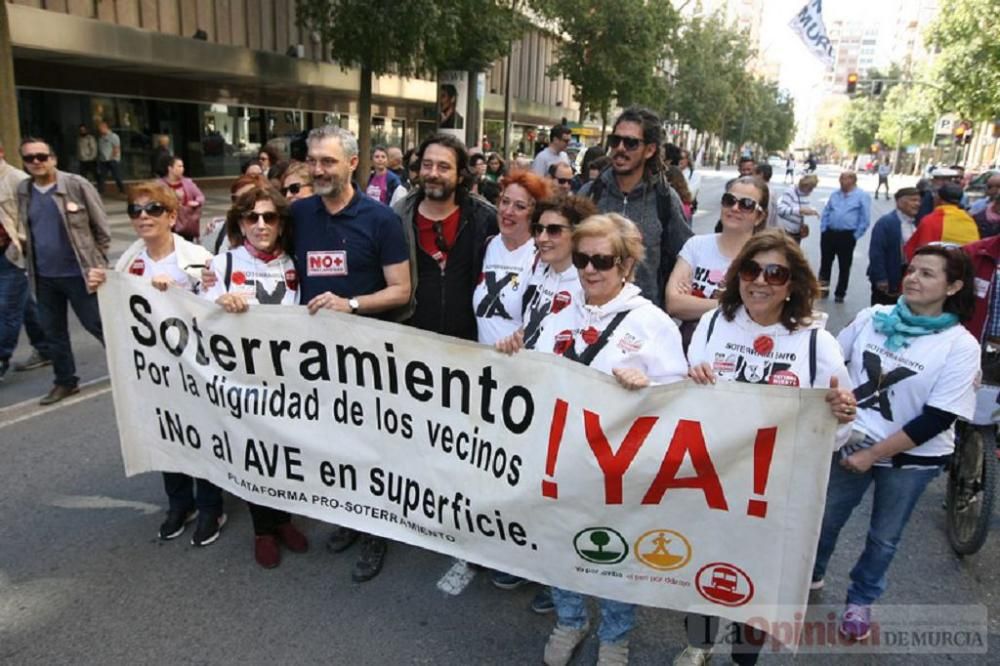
(138, 267)
(590, 335)
(563, 342)
(291, 279)
(239, 277)
(763, 345)
(560, 301)
(724, 584)
(784, 378)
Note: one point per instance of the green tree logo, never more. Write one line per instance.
(601, 545)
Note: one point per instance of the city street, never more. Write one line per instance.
(84, 580)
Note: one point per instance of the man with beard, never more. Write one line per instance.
(447, 229)
(351, 256)
(634, 187)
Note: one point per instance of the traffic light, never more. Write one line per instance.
(960, 134)
(876, 88)
(852, 83)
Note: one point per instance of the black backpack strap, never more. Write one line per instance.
(711, 324)
(812, 356)
(229, 270)
(591, 352)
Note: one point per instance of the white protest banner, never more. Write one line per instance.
(808, 25)
(677, 496)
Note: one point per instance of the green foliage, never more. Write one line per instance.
(907, 109)
(611, 50)
(709, 73)
(859, 127)
(968, 65)
(713, 90)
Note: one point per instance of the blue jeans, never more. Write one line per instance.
(54, 294)
(617, 618)
(897, 491)
(114, 168)
(17, 307)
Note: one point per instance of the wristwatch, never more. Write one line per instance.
(355, 306)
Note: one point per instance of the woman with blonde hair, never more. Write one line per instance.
(617, 331)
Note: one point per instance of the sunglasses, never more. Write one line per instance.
(775, 275)
(631, 143)
(153, 209)
(252, 217)
(439, 240)
(564, 181)
(600, 262)
(36, 157)
(553, 230)
(746, 204)
(294, 188)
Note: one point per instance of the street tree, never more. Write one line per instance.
(860, 123)
(411, 38)
(611, 52)
(906, 118)
(709, 68)
(967, 65)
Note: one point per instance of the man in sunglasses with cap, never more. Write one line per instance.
(635, 188)
(67, 234)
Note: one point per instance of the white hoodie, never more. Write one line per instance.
(646, 338)
(742, 350)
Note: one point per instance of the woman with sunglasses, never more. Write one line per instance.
(258, 228)
(297, 182)
(167, 260)
(696, 282)
(914, 367)
(509, 258)
(764, 332)
(553, 286)
(617, 331)
(555, 283)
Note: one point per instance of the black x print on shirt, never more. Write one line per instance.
(873, 392)
(492, 306)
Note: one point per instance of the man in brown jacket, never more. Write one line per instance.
(67, 233)
(17, 307)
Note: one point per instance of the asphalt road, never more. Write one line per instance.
(83, 579)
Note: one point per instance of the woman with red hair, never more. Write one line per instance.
(509, 257)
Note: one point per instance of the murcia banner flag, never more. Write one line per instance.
(705, 498)
(808, 25)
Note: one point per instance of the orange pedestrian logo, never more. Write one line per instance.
(664, 550)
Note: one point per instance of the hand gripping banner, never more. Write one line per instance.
(682, 497)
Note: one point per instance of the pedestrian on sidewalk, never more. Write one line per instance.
(844, 221)
(86, 152)
(189, 197)
(67, 235)
(109, 158)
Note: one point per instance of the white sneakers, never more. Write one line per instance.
(562, 643)
(692, 656)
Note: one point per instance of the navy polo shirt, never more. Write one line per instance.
(345, 253)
